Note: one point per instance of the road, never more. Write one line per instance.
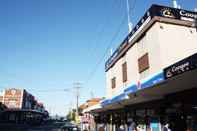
(46, 127)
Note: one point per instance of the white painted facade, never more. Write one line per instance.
(165, 44)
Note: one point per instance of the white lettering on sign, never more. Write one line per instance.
(183, 13)
(181, 67)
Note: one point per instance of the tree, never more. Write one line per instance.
(71, 115)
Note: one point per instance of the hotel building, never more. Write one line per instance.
(151, 78)
(21, 107)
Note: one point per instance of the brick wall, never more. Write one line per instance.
(13, 97)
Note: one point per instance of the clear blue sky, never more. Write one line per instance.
(49, 44)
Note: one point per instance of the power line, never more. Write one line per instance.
(109, 45)
(52, 90)
(106, 51)
(97, 40)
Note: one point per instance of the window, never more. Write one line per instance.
(113, 82)
(143, 63)
(124, 72)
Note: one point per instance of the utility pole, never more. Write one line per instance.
(77, 86)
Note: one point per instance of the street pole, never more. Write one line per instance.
(77, 86)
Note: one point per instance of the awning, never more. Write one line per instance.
(92, 108)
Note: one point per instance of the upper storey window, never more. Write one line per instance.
(124, 72)
(113, 82)
(143, 63)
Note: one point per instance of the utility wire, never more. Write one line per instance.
(101, 32)
(98, 40)
(106, 50)
(109, 45)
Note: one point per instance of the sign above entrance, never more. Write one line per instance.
(182, 66)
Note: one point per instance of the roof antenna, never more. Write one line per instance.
(128, 16)
(175, 5)
(111, 51)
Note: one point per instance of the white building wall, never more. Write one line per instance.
(108, 83)
(176, 43)
(165, 45)
(151, 46)
(132, 66)
(115, 71)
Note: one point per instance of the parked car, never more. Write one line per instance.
(70, 127)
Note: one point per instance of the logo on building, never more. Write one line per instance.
(167, 13)
(169, 73)
(13, 92)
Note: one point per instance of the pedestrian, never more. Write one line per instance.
(166, 127)
(132, 125)
(121, 128)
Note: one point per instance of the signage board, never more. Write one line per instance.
(187, 64)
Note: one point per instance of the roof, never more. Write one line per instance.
(90, 103)
(94, 100)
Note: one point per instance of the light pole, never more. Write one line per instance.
(77, 86)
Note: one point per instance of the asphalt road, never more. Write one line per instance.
(46, 127)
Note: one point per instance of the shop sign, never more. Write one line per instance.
(173, 13)
(180, 67)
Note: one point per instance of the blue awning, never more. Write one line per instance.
(118, 98)
(131, 89)
(105, 102)
(153, 80)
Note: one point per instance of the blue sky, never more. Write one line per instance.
(50, 44)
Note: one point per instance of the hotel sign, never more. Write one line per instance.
(153, 11)
(180, 67)
(173, 13)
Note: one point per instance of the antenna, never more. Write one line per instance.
(175, 5)
(92, 94)
(128, 16)
(111, 51)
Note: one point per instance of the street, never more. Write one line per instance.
(46, 127)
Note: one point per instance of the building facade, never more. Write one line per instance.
(86, 118)
(21, 107)
(19, 99)
(150, 78)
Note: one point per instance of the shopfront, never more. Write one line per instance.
(22, 117)
(171, 101)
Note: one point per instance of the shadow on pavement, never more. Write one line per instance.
(13, 127)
